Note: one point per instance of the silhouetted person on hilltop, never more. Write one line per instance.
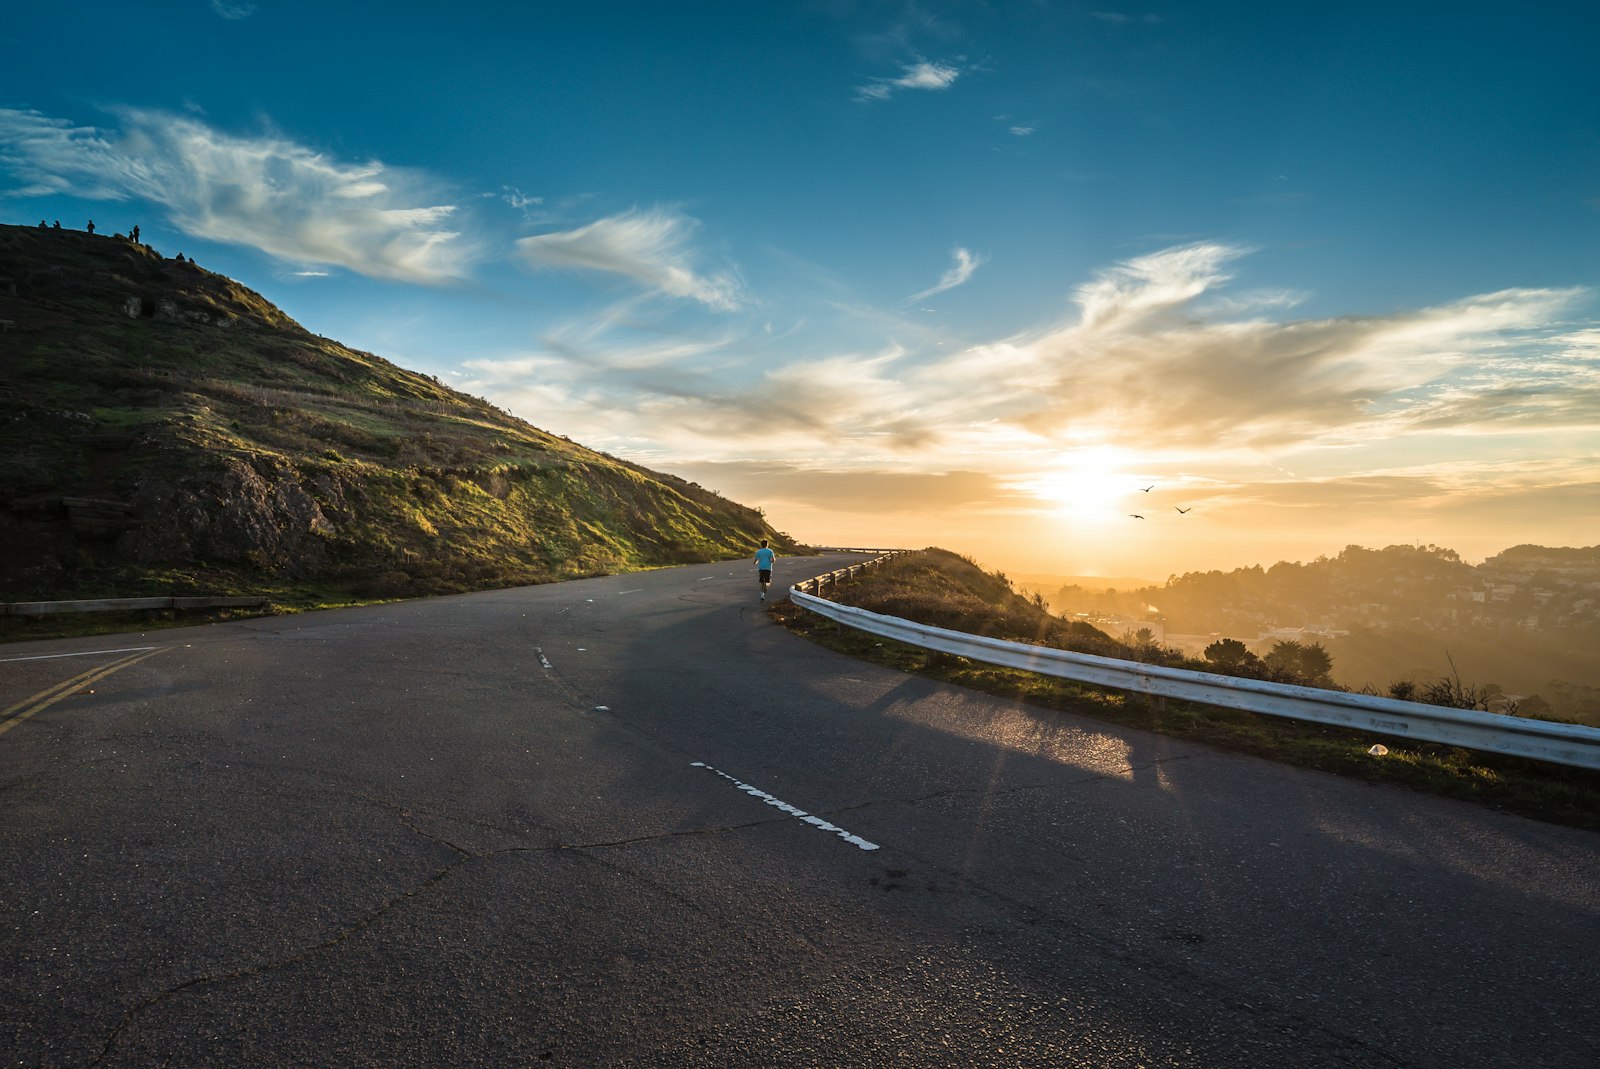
(42, 226)
(180, 258)
(91, 226)
(135, 233)
(58, 224)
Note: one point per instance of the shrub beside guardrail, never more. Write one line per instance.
(1542, 740)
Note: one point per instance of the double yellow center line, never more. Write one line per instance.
(38, 703)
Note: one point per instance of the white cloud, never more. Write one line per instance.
(520, 200)
(650, 247)
(233, 9)
(1156, 360)
(921, 75)
(927, 76)
(1143, 362)
(959, 273)
(1148, 285)
(1117, 18)
(266, 192)
(1022, 131)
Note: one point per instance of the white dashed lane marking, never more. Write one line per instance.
(818, 822)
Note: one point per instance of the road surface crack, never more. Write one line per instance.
(463, 856)
(365, 922)
(404, 814)
(663, 835)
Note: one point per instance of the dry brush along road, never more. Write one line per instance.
(631, 821)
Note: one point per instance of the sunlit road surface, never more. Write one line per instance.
(631, 822)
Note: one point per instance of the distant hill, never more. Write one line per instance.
(1049, 584)
(944, 589)
(1526, 620)
(165, 429)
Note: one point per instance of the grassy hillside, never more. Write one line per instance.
(942, 589)
(166, 430)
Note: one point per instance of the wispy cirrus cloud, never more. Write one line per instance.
(266, 192)
(919, 75)
(965, 264)
(233, 9)
(652, 248)
(1141, 363)
(1118, 18)
(1155, 360)
(525, 203)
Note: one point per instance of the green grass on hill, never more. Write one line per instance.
(942, 589)
(255, 456)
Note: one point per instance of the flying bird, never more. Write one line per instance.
(1149, 488)
(1136, 516)
(1189, 509)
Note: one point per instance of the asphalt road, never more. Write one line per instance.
(631, 822)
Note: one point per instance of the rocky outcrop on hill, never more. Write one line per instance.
(261, 515)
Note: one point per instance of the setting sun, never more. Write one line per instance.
(1089, 485)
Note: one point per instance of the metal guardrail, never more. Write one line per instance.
(850, 549)
(45, 608)
(1542, 740)
(818, 584)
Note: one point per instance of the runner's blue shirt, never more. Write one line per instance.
(764, 559)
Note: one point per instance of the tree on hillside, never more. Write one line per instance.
(1284, 656)
(1229, 653)
(1316, 663)
(1309, 662)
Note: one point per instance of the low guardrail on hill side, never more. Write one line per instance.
(1542, 740)
(44, 608)
(822, 582)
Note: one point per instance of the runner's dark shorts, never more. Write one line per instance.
(766, 575)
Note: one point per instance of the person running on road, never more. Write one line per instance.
(764, 559)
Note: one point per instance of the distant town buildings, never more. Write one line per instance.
(1527, 588)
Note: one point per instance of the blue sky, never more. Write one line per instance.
(965, 274)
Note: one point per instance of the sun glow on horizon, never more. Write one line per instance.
(1088, 486)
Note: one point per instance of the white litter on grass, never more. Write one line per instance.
(602, 708)
(543, 660)
(817, 822)
(1378, 749)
